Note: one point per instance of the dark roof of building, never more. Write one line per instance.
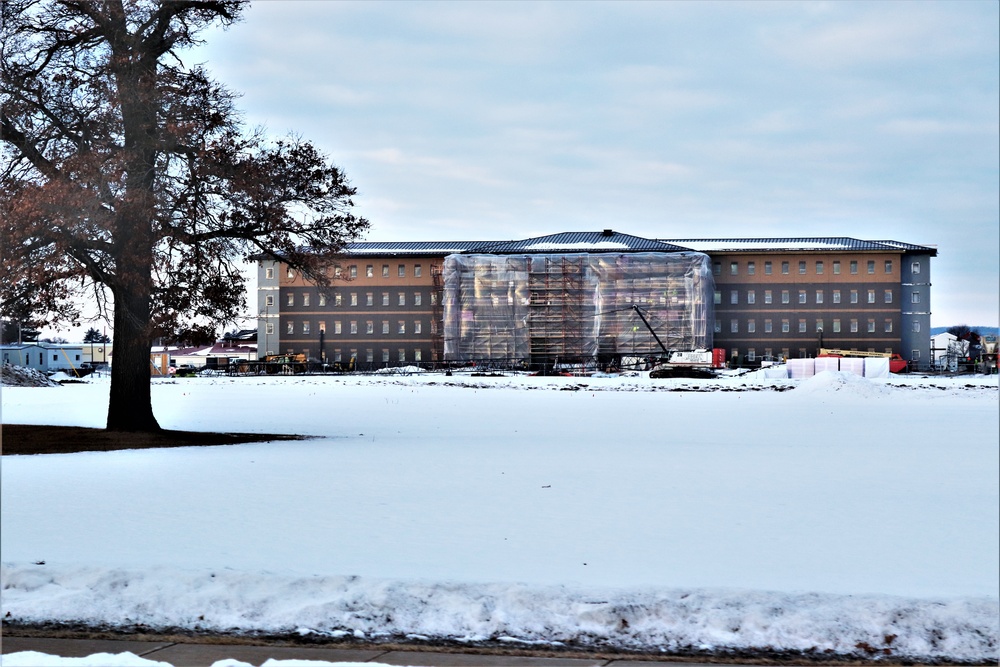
(812, 243)
(604, 241)
(382, 249)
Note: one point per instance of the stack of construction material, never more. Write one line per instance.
(827, 364)
(801, 368)
(876, 367)
(575, 306)
(855, 365)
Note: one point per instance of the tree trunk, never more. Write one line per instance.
(130, 406)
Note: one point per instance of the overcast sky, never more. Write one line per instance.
(476, 120)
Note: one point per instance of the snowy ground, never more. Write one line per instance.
(844, 515)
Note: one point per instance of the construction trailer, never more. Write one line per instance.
(547, 309)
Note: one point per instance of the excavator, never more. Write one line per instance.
(683, 363)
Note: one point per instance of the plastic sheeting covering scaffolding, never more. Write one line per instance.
(575, 307)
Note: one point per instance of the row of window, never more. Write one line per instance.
(819, 267)
(853, 324)
(352, 271)
(803, 296)
(751, 353)
(352, 299)
(306, 328)
(338, 356)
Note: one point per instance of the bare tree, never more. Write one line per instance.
(126, 177)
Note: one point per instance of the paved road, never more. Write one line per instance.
(192, 654)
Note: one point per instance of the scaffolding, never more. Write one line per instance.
(548, 308)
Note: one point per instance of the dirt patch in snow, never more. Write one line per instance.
(30, 439)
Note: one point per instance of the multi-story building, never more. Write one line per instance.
(772, 297)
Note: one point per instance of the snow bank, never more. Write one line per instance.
(22, 376)
(843, 381)
(706, 620)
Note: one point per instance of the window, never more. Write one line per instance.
(305, 328)
(836, 268)
(418, 299)
(785, 298)
(751, 354)
(385, 327)
(802, 267)
(836, 296)
(385, 355)
(819, 326)
(369, 327)
(369, 355)
(401, 270)
(915, 297)
(716, 268)
(337, 356)
(305, 299)
(269, 328)
(767, 268)
(916, 327)
(854, 296)
(354, 298)
(914, 355)
(336, 327)
(338, 299)
(887, 296)
(768, 298)
(871, 325)
(734, 326)
(784, 268)
(888, 266)
(751, 296)
(290, 272)
(291, 299)
(402, 354)
(751, 326)
(369, 271)
(871, 266)
(417, 328)
(401, 328)
(767, 326)
(434, 299)
(385, 298)
(290, 328)
(802, 326)
(819, 267)
(854, 266)
(354, 327)
(871, 296)
(784, 326)
(402, 298)
(915, 267)
(735, 352)
(385, 270)
(819, 296)
(353, 271)
(888, 326)
(322, 326)
(734, 296)
(751, 268)
(269, 273)
(322, 299)
(369, 299)
(836, 326)
(718, 325)
(337, 272)
(416, 355)
(734, 268)
(417, 271)
(717, 297)
(854, 326)
(269, 300)
(802, 296)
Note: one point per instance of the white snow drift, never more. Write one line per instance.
(847, 515)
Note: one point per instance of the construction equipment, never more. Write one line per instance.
(897, 364)
(682, 363)
(980, 354)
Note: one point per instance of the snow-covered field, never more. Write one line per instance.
(845, 515)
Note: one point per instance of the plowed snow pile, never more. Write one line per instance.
(830, 381)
